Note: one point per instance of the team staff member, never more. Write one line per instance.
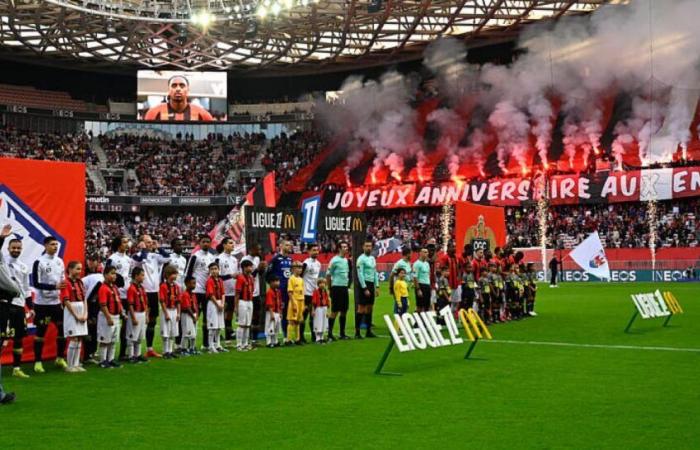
(198, 267)
(338, 278)
(12, 307)
(310, 272)
(48, 280)
(151, 258)
(369, 284)
(421, 269)
(178, 108)
(281, 266)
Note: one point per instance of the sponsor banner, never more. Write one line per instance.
(580, 275)
(602, 187)
(153, 200)
(265, 219)
(484, 227)
(620, 275)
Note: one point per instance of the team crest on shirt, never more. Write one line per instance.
(27, 225)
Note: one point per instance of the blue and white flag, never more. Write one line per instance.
(590, 256)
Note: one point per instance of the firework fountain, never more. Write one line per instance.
(446, 220)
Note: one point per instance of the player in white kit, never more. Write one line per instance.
(228, 271)
(198, 267)
(310, 272)
(48, 278)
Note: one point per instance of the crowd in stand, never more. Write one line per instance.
(181, 166)
(51, 146)
(622, 225)
(287, 154)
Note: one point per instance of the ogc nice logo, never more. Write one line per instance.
(27, 225)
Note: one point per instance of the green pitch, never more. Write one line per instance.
(522, 393)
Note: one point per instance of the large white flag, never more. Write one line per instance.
(590, 255)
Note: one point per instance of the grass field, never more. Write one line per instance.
(522, 394)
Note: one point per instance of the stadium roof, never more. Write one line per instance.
(264, 36)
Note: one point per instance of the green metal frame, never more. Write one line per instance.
(382, 362)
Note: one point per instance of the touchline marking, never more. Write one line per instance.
(571, 344)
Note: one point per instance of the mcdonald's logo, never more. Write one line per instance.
(672, 303)
(289, 222)
(357, 224)
(473, 325)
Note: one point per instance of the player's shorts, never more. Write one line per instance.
(71, 327)
(321, 319)
(403, 309)
(229, 303)
(12, 320)
(153, 305)
(433, 297)
(44, 314)
(340, 298)
(423, 301)
(295, 311)
(364, 298)
(272, 323)
(136, 333)
(245, 313)
(107, 334)
(189, 327)
(456, 296)
(215, 318)
(169, 328)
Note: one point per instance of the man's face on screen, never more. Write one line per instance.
(178, 90)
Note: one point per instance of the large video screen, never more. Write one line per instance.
(172, 96)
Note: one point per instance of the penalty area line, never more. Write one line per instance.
(604, 346)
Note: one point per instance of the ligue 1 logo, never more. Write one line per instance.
(27, 225)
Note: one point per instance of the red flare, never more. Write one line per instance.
(458, 181)
(596, 150)
(524, 170)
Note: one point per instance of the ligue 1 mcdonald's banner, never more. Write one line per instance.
(484, 227)
(39, 199)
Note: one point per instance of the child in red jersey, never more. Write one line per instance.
(244, 306)
(273, 309)
(188, 317)
(169, 310)
(108, 319)
(137, 316)
(74, 315)
(215, 308)
(320, 302)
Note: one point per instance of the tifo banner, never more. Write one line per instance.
(590, 256)
(38, 199)
(484, 227)
(42, 198)
(602, 187)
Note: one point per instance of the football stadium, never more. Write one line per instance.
(349, 224)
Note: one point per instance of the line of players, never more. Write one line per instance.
(497, 286)
(215, 286)
(124, 301)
